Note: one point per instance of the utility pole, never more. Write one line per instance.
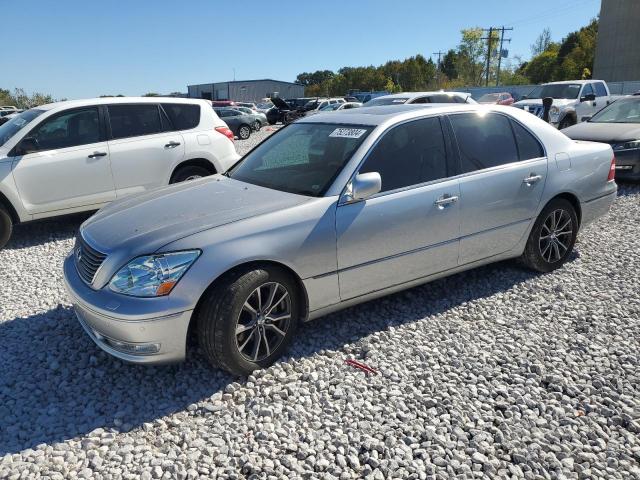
(438, 67)
(489, 39)
(502, 40)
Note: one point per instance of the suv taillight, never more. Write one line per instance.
(226, 132)
(612, 170)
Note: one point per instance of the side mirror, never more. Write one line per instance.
(586, 118)
(365, 185)
(524, 97)
(590, 97)
(27, 145)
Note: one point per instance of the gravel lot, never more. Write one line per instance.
(494, 373)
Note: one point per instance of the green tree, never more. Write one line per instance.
(542, 43)
(542, 67)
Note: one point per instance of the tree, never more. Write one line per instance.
(542, 67)
(151, 94)
(542, 43)
(470, 55)
(21, 99)
(449, 64)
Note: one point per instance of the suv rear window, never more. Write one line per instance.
(134, 120)
(183, 116)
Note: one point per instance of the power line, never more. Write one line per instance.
(502, 40)
(489, 39)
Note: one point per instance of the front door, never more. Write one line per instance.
(143, 148)
(503, 169)
(410, 229)
(68, 164)
(587, 107)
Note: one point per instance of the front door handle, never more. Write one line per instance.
(532, 179)
(98, 154)
(172, 144)
(445, 200)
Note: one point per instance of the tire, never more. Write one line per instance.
(227, 328)
(191, 172)
(566, 122)
(6, 226)
(244, 132)
(552, 237)
(257, 126)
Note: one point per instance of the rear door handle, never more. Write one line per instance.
(172, 144)
(98, 154)
(445, 200)
(531, 179)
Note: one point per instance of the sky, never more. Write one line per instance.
(86, 48)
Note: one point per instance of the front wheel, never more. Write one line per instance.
(249, 319)
(244, 132)
(6, 226)
(191, 172)
(552, 238)
(566, 122)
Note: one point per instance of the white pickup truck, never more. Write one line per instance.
(573, 100)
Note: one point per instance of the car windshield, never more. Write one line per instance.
(302, 158)
(625, 110)
(330, 107)
(558, 90)
(13, 126)
(489, 98)
(376, 102)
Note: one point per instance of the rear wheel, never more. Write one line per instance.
(248, 320)
(190, 172)
(244, 132)
(6, 226)
(257, 126)
(552, 238)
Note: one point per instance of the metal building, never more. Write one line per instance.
(246, 90)
(618, 47)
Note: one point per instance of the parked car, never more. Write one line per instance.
(299, 103)
(223, 103)
(320, 103)
(421, 97)
(329, 212)
(240, 123)
(79, 155)
(501, 98)
(335, 107)
(282, 112)
(618, 125)
(573, 100)
(250, 105)
(364, 97)
(259, 119)
(264, 107)
(9, 107)
(6, 115)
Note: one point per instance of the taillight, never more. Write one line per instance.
(612, 170)
(226, 132)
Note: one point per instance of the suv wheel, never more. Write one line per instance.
(6, 226)
(244, 132)
(191, 172)
(248, 320)
(552, 238)
(566, 122)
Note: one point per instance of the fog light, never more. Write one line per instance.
(133, 348)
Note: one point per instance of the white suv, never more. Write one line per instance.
(79, 155)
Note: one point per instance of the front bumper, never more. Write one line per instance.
(119, 328)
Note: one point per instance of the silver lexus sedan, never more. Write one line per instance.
(328, 212)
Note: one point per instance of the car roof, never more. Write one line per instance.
(420, 94)
(580, 82)
(116, 100)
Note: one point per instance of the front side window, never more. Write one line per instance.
(484, 140)
(302, 158)
(17, 123)
(183, 116)
(587, 90)
(134, 120)
(409, 154)
(68, 129)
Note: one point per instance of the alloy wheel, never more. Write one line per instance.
(263, 322)
(244, 133)
(556, 235)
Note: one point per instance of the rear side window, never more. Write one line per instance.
(68, 129)
(485, 141)
(528, 146)
(601, 91)
(134, 120)
(441, 98)
(409, 154)
(183, 116)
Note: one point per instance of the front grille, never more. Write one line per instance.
(88, 259)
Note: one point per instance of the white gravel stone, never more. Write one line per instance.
(492, 373)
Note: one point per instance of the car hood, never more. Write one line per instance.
(557, 102)
(603, 132)
(144, 223)
(281, 104)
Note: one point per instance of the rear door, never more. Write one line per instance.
(67, 166)
(144, 148)
(410, 229)
(502, 169)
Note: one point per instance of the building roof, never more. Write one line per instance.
(249, 81)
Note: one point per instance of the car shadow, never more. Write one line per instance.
(55, 384)
(39, 232)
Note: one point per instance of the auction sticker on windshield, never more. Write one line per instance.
(348, 132)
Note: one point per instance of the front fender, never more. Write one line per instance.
(9, 191)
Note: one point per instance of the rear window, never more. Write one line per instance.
(183, 116)
(134, 120)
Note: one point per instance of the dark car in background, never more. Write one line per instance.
(618, 124)
(299, 103)
(282, 112)
(240, 123)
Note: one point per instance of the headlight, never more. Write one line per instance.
(152, 275)
(555, 111)
(632, 145)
